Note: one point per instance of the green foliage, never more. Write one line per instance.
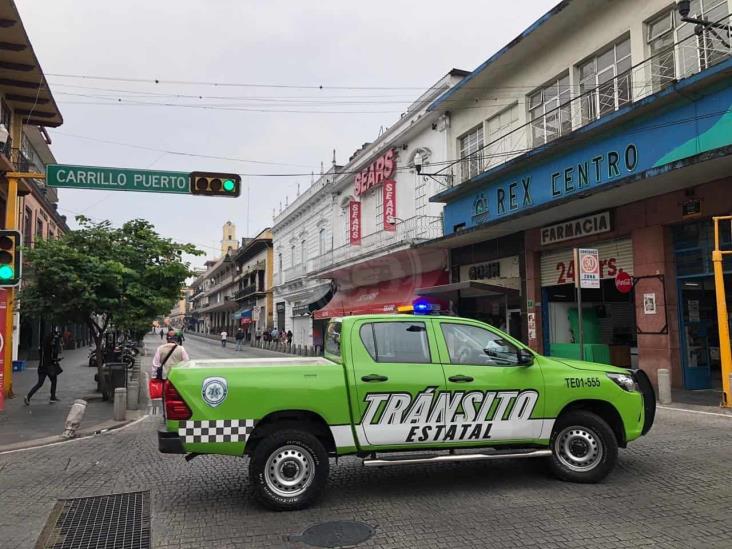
(100, 274)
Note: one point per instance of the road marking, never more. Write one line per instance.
(695, 411)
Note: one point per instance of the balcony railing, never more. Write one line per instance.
(691, 55)
(246, 291)
(410, 231)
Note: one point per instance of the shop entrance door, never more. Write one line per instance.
(513, 319)
(699, 332)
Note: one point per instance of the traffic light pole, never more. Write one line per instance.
(11, 223)
(725, 354)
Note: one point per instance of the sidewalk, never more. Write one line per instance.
(20, 424)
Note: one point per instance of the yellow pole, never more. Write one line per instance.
(11, 211)
(725, 353)
(11, 224)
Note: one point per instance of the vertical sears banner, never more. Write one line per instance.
(389, 205)
(354, 222)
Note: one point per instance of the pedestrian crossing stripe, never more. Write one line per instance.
(219, 430)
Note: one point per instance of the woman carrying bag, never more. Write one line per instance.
(168, 355)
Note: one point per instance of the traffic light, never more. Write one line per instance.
(215, 184)
(10, 260)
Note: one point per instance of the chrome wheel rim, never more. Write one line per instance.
(578, 449)
(289, 471)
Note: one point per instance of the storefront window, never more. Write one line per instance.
(608, 322)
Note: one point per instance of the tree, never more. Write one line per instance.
(101, 275)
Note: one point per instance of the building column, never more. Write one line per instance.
(652, 257)
(532, 293)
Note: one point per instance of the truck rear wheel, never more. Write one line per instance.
(584, 448)
(289, 470)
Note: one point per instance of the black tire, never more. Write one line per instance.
(584, 448)
(298, 453)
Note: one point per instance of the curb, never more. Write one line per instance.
(98, 429)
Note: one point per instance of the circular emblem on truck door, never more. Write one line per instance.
(214, 390)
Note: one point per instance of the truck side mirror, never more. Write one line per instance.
(524, 357)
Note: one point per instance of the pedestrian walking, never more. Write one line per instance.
(274, 335)
(48, 366)
(289, 337)
(224, 335)
(179, 337)
(162, 333)
(257, 335)
(167, 356)
(239, 338)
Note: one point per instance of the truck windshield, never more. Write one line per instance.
(333, 338)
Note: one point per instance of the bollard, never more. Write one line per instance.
(664, 386)
(120, 404)
(76, 413)
(133, 394)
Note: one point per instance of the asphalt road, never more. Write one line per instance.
(200, 347)
(671, 489)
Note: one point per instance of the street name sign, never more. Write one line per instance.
(117, 179)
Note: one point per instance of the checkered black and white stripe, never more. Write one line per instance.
(219, 430)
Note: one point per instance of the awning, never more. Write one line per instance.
(383, 297)
(468, 288)
(316, 299)
(243, 313)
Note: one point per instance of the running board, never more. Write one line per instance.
(454, 457)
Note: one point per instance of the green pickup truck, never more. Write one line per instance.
(403, 389)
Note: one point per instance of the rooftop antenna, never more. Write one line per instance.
(312, 177)
(334, 157)
(298, 189)
(273, 214)
(321, 167)
(287, 201)
(280, 206)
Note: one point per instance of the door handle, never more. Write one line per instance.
(461, 379)
(374, 377)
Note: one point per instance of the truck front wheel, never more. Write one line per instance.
(289, 470)
(584, 448)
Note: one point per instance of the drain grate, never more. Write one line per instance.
(115, 521)
(339, 533)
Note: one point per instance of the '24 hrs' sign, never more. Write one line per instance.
(608, 269)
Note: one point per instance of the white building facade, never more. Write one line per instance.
(347, 245)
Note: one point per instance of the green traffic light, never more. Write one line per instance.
(6, 272)
(229, 185)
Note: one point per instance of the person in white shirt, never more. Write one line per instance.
(224, 335)
(168, 355)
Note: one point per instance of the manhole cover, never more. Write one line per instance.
(115, 521)
(339, 533)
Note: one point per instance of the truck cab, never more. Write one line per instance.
(454, 389)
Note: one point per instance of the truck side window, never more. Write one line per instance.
(333, 338)
(396, 341)
(474, 345)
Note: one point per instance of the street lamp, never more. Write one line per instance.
(684, 7)
(419, 161)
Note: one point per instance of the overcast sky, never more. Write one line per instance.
(399, 44)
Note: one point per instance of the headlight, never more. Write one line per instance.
(624, 381)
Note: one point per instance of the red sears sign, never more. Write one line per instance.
(389, 205)
(354, 222)
(380, 170)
